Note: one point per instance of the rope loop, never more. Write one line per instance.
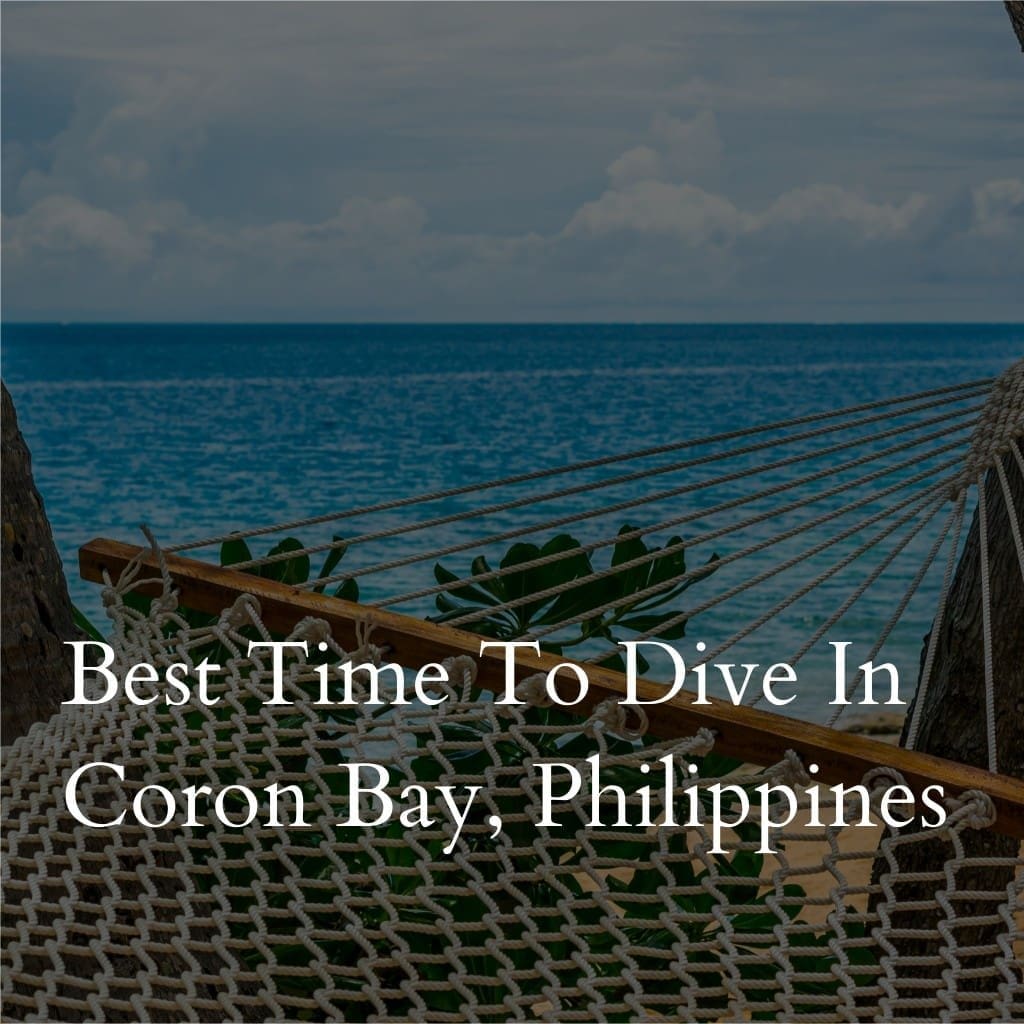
(972, 808)
(533, 690)
(245, 611)
(364, 630)
(700, 744)
(313, 630)
(164, 605)
(790, 771)
(461, 667)
(365, 648)
(883, 778)
(611, 716)
(158, 554)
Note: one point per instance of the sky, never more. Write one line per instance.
(472, 162)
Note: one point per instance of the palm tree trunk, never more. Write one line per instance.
(35, 615)
(953, 726)
(1015, 9)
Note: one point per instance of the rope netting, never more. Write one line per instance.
(791, 528)
(808, 527)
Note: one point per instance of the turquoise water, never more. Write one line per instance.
(201, 429)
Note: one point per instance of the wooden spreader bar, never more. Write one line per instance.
(755, 736)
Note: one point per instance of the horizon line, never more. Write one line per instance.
(507, 323)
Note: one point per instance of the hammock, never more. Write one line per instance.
(790, 528)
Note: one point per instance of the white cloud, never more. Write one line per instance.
(396, 219)
(999, 207)
(641, 163)
(692, 147)
(817, 206)
(696, 217)
(647, 249)
(680, 150)
(495, 160)
(62, 225)
(685, 212)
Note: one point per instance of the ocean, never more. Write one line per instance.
(199, 429)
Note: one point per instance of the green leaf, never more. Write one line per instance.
(495, 587)
(234, 551)
(470, 593)
(630, 580)
(717, 766)
(334, 556)
(292, 570)
(578, 600)
(138, 602)
(83, 623)
(669, 566)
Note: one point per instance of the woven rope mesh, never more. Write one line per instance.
(635, 920)
(552, 923)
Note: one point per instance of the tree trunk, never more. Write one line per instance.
(36, 615)
(1015, 9)
(953, 726)
(953, 717)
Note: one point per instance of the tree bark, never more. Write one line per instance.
(36, 616)
(953, 717)
(1015, 9)
(953, 726)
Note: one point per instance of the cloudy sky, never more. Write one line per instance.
(507, 162)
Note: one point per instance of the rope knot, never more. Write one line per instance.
(243, 612)
(533, 690)
(611, 716)
(973, 808)
(878, 782)
(164, 605)
(313, 630)
(700, 744)
(462, 667)
(790, 771)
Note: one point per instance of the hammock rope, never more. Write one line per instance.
(801, 528)
(959, 514)
(959, 394)
(617, 507)
(561, 921)
(623, 506)
(986, 628)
